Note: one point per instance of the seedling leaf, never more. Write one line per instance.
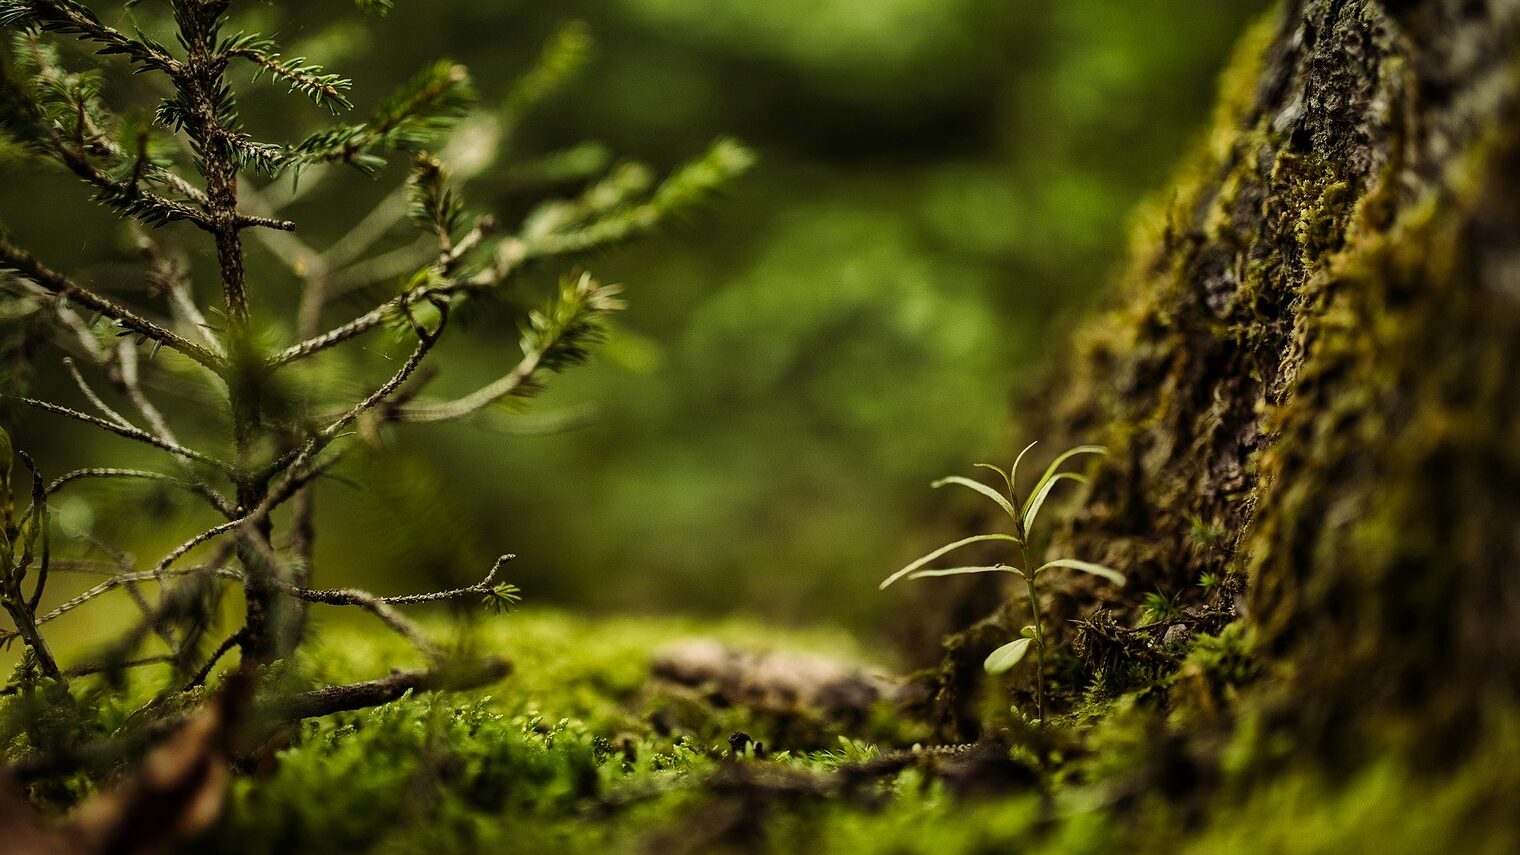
(1050, 470)
(949, 547)
(1108, 573)
(985, 490)
(957, 571)
(1040, 495)
(1007, 656)
(1007, 479)
(1013, 474)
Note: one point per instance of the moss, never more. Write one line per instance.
(566, 756)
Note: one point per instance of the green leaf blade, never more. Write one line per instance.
(1089, 567)
(1013, 474)
(1050, 470)
(943, 550)
(985, 490)
(1007, 656)
(961, 571)
(1039, 497)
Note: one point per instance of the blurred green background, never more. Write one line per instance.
(942, 185)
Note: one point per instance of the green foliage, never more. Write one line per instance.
(409, 119)
(1022, 513)
(1159, 606)
(323, 88)
(563, 59)
(431, 203)
(563, 333)
(270, 436)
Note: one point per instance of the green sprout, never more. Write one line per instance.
(1023, 513)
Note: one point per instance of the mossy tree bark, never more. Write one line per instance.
(1309, 377)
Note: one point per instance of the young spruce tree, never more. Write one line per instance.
(192, 171)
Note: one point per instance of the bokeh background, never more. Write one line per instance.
(942, 185)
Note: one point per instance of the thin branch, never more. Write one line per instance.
(373, 693)
(23, 262)
(68, 16)
(131, 385)
(149, 613)
(86, 670)
(127, 356)
(129, 433)
(170, 274)
(477, 400)
(401, 303)
(394, 264)
(243, 221)
(380, 220)
(377, 606)
(81, 330)
(91, 566)
(93, 398)
(214, 498)
(354, 328)
(114, 582)
(102, 472)
(179, 295)
(222, 649)
(319, 441)
(344, 596)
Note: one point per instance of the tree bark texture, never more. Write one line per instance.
(1309, 377)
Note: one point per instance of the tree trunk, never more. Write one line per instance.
(1310, 378)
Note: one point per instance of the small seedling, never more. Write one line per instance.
(1023, 513)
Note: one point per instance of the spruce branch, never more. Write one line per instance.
(432, 204)
(129, 433)
(94, 399)
(69, 18)
(487, 587)
(215, 499)
(689, 186)
(323, 88)
(406, 121)
(18, 260)
(61, 117)
(558, 336)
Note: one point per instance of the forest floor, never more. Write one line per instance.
(635, 735)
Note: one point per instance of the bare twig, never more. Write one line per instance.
(93, 398)
(24, 263)
(477, 400)
(201, 673)
(129, 433)
(372, 693)
(114, 582)
(382, 607)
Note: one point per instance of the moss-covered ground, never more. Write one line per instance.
(581, 751)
